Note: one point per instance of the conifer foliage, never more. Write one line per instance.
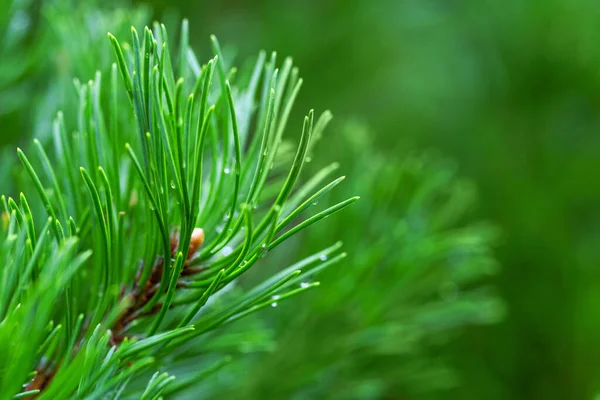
(168, 181)
(418, 276)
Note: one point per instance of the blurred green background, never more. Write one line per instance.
(509, 90)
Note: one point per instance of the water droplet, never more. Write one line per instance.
(304, 285)
(274, 304)
(226, 171)
(308, 159)
(276, 297)
(265, 153)
(263, 251)
(323, 257)
(315, 203)
(172, 185)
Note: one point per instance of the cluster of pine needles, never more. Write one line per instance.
(168, 181)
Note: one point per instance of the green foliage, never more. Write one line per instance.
(184, 184)
(45, 45)
(17, 59)
(413, 281)
(179, 155)
(508, 89)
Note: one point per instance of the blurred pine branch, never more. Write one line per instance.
(417, 276)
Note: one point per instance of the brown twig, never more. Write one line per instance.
(140, 295)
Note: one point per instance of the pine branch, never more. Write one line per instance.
(419, 275)
(174, 201)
